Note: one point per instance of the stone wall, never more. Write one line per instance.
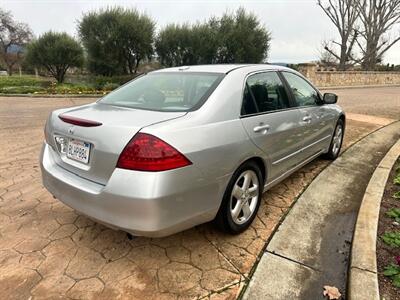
(322, 78)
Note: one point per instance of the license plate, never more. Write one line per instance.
(78, 150)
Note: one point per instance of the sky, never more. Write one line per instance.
(298, 27)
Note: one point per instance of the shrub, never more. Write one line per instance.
(76, 85)
(13, 81)
(394, 213)
(22, 89)
(100, 81)
(72, 89)
(397, 179)
(391, 238)
(393, 272)
(109, 86)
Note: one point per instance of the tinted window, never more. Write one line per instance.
(248, 106)
(267, 92)
(304, 93)
(165, 91)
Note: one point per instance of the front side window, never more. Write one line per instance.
(264, 92)
(304, 94)
(175, 91)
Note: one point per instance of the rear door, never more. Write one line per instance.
(271, 121)
(315, 118)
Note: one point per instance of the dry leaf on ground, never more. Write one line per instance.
(332, 292)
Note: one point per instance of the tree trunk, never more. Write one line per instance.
(10, 70)
(137, 65)
(343, 56)
(60, 76)
(130, 66)
(370, 63)
(371, 56)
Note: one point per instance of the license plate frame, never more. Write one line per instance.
(78, 150)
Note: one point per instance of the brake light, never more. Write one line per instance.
(79, 121)
(146, 152)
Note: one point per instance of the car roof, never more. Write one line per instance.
(221, 68)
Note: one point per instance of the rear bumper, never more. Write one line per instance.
(143, 203)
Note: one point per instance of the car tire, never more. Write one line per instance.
(336, 141)
(234, 215)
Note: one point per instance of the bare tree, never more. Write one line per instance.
(377, 18)
(326, 58)
(13, 37)
(343, 14)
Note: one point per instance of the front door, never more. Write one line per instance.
(315, 119)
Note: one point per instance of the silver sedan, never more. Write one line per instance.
(182, 146)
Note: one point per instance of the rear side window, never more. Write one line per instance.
(248, 106)
(304, 94)
(174, 91)
(264, 92)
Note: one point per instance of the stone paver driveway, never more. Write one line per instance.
(47, 250)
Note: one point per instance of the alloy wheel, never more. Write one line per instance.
(244, 197)
(337, 139)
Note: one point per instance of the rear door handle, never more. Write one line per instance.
(261, 128)
(307, 119)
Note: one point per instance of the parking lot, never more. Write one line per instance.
(47, 250)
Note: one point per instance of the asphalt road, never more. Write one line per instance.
(383, 102)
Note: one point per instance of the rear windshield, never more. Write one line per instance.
(174, 91)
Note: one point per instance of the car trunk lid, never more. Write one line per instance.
(110, 129)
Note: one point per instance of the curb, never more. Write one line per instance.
(259, 256)
(363, 277)
(322, 219)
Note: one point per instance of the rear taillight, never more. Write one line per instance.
(146, 152)
(79, 121)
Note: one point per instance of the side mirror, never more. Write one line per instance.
(330, 98)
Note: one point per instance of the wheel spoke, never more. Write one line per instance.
(253, 191)
(247, 180)
(237, 192)
(237, 209)
(246, 209)
(339, 132)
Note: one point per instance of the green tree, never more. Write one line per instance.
(56, 52)
(233, 38)
(242, 38)
(116, 40)
(178, 45)
(204, 42)
(174, 47)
